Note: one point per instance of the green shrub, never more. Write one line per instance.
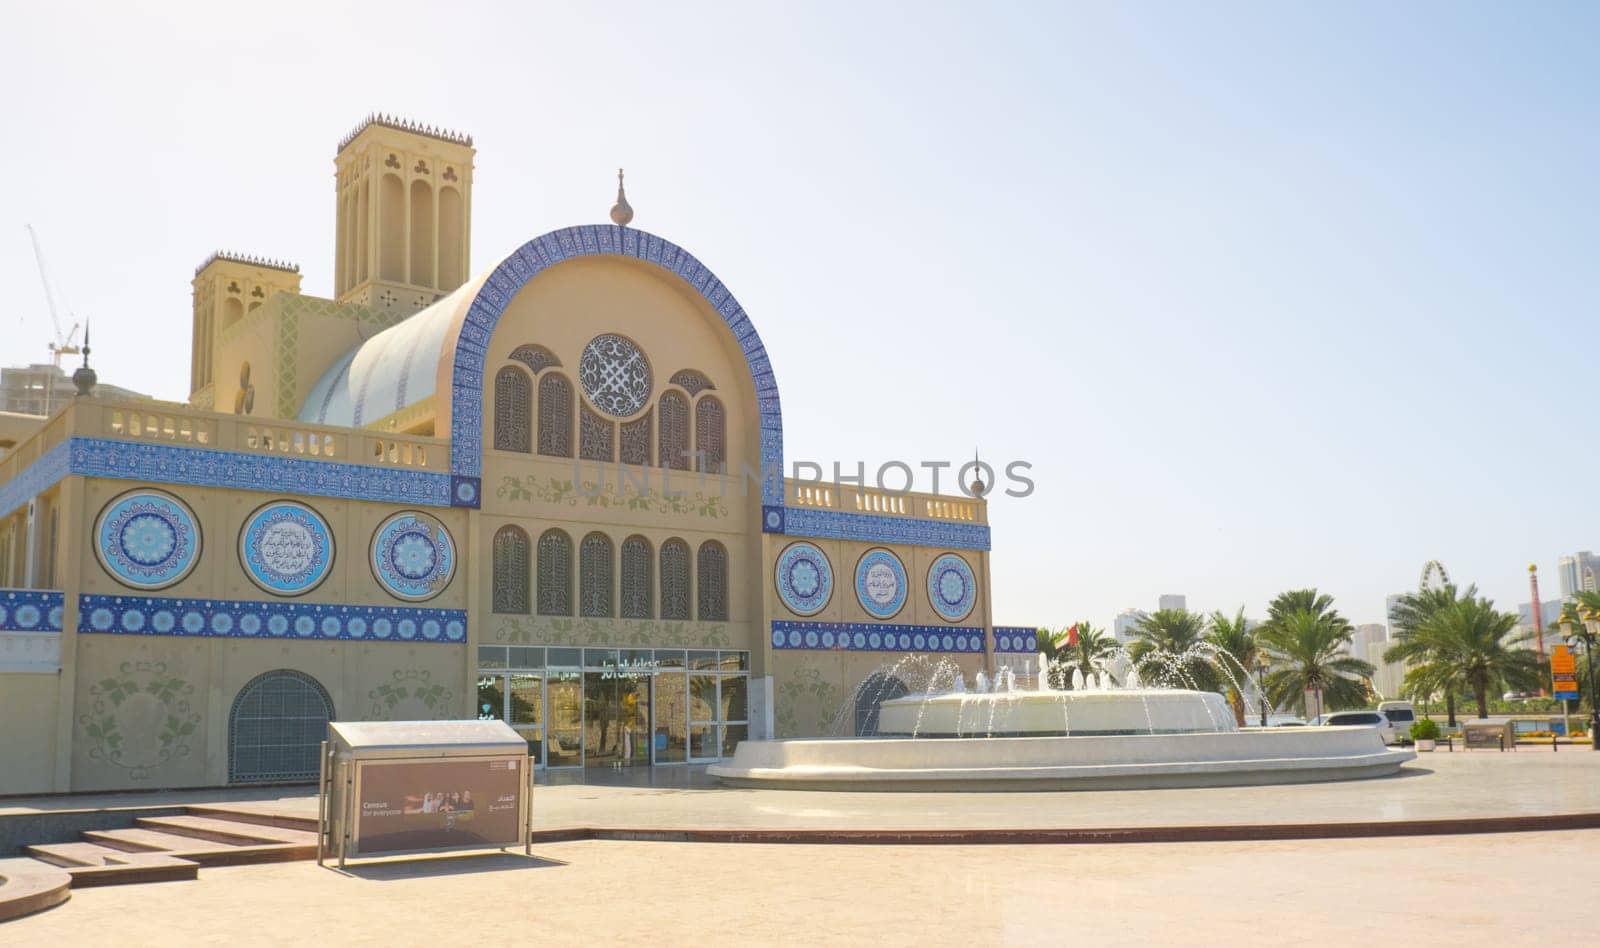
(1425, 730)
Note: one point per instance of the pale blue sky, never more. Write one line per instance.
(1270, 295)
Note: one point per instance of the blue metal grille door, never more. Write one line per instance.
(276, 728)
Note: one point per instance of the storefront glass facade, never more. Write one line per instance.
(617, 707)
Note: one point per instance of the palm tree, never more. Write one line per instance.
(1302, 600)
(1580, 605)
(1090, 653)
(1410, 612)
(1233, 638)
(1476, 645)
(1307, 648)
(1053, 646)
(1166, 640)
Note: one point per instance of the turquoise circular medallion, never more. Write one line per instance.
(147, 539)
(286, 548)
(881, 583)
(413, 556)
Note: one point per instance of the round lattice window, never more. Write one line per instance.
(615, 376)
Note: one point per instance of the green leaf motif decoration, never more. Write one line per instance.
(113, 708)
(552, 490)
(602, 633)
(410, 683)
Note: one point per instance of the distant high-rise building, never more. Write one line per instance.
(1172, 601)
(1579, 572)
(1126, 626)
(1552, 615)
(1368, 643)
(40, 389)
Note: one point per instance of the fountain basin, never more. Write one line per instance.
(1058, 713)
(1130, 761)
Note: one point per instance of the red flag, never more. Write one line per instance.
(1072, 635)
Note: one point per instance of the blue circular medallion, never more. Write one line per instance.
(147, 539)
(951, 588)
(286, 548)
(413, 556)
(804, 578)
(881, 583)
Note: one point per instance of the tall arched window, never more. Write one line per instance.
(710, 434)
(594, 576)
(512, 573)
(673, 428)
(636, 441)
(555, 416)
(713, 582)
(674, 579)
(276, 726)
(555, 574)
(513, 410)
(595, 435)
(636, 578)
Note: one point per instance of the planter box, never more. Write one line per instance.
(1426, 745)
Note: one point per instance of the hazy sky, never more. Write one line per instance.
(1270, 295)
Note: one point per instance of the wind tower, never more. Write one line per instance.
(404, 214)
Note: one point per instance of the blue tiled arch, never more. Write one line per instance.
(537, 255)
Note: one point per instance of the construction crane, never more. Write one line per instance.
(64, 344)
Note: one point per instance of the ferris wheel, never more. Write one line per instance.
(1433, 569)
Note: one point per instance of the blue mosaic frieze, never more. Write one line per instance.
(874, 637)
(208, 467)
(952, 590)
(804, 578)
(413, 556)
(1016, 639)
(286, 548)
(873, 528)
(36, 478)
(541, 253)
(881, 584)
(220, 618)
(30, 610)
(147, 539)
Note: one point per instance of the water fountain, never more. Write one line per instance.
(1095, 735)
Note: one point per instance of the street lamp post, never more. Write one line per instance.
(1591, 630)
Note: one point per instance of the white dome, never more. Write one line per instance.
(393, 370)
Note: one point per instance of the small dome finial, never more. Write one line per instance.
(621, 212)
(84, 378)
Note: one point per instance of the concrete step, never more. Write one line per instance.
(225, 831)
(138, 839)
(264, 816)
(91, 864)
(72, 855)
(28, 886)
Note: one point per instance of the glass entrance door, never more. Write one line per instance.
(616, 719)
(671, 716)
(565, 726)
(526, 712)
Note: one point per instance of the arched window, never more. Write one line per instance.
(595, 435)
(873, 692)
(712, 588)
(594, 576)
(710, 435)
(512, 573)
(555, 574)
(674, 430)
(513, 408)
(555, 416)
(276, 727)
(636, 440)
(636, 578)
(693, 382)
(674, 579)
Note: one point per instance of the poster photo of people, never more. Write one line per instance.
(439, 804)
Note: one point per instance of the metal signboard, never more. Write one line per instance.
(1563, 673)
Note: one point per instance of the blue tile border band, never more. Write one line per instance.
(538, 255)
(30, 610)
(872, 528)
(874, 637)
(1016, 639)
(289, 621)
(36, 478)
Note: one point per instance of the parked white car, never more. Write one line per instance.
(1401, 716)
(1373, 719)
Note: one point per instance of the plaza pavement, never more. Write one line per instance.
(1528, 782)
(1508, 889)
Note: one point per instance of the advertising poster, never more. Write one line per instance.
(439, 804)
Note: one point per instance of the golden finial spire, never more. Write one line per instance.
(621, 213)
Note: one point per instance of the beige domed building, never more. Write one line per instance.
(548, 490)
